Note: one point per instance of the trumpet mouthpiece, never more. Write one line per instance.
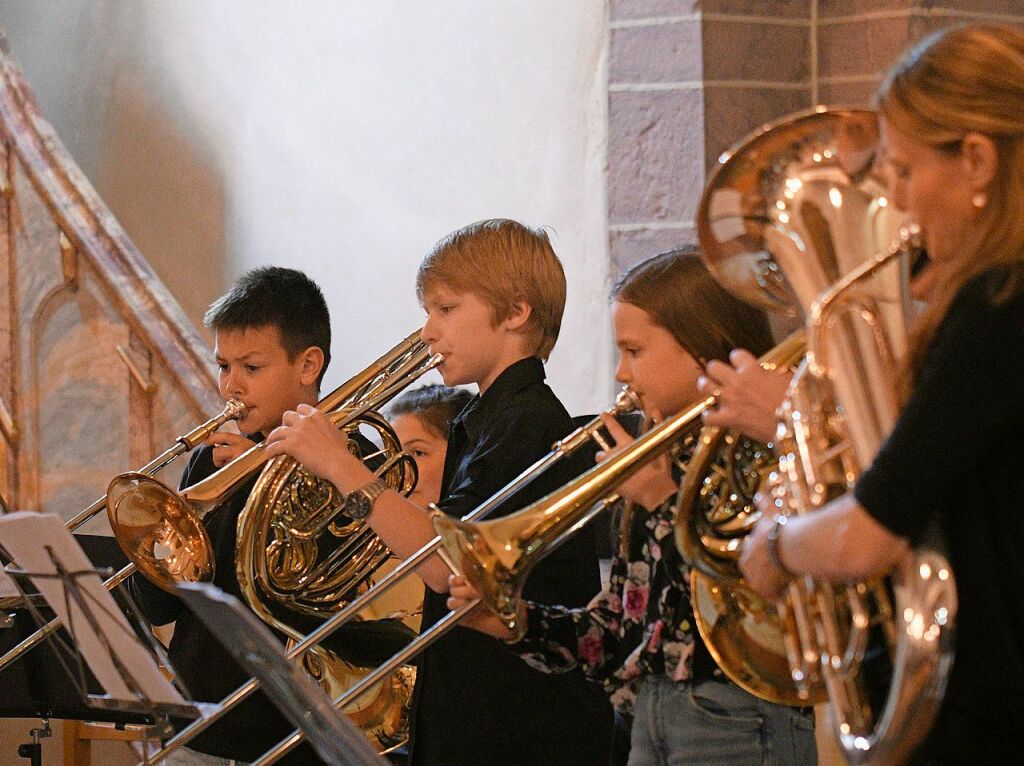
(234, 410)
(626, 401)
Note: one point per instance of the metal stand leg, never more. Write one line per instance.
(34, 750)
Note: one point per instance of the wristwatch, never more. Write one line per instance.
(359, 502)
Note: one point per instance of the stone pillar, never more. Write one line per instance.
(858, 40)
(688, 78)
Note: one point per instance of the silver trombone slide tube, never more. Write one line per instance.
(233, 410)
(436, 631)
(626, 401)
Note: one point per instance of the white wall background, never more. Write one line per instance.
(342, 138)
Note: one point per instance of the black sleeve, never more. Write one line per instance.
(970, 390)
(157, 605)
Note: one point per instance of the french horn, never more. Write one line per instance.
(298, 555)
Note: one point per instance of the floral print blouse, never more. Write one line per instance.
(641, 623)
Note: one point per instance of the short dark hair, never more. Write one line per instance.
(273, 296)
(679, 293)
(435, 405)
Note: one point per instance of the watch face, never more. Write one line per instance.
(357, 505)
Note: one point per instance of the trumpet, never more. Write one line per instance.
(233, 410)
(625, 402)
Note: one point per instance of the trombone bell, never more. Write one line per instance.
(157, 531)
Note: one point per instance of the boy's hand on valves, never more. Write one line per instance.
(651, 485)
(747, 395)
(461, 593)
(227, 446)
(307, 435)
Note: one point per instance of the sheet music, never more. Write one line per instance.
(31, 538)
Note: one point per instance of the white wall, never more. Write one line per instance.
(342, 138)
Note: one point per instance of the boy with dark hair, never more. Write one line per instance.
(272, 346)
(494, 293)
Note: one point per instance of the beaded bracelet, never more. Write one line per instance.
(778, 522)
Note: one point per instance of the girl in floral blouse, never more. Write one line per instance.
(638, 637)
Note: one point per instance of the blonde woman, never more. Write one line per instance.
(952, 115)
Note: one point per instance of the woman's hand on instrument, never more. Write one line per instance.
(227, 446)
(461, 593)
(307, 435)
(747, 395)
(761, 573)
(651, 485)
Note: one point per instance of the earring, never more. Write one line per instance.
(979, 200)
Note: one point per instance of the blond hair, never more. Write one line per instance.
(502, 262)
(954, 82)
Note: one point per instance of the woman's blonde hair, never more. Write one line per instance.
(502, 262)
(954, 82)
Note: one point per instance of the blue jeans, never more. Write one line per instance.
(716, 722)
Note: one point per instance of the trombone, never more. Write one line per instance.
(625, 402)
(496, 556)
(233, 410)
(408, 355)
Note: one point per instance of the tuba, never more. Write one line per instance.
(834, 420)
(298, 555)
(790, 210)
(797, 218)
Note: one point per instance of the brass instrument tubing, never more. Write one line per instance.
(184, 443)
(440, 628)
(561, 449)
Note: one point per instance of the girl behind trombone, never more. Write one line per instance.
(638, 637)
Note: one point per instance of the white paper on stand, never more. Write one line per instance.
(34, 540)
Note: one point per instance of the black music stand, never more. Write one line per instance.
(335, 738)
(62, 678)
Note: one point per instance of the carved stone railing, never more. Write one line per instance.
(99, 367)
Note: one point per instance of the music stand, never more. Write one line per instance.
(335, 738)
(99, 639)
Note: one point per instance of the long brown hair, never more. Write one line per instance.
(954, 82)
(678, 293)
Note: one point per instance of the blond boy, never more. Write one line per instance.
(494, 293)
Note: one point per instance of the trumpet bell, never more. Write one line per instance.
(158, 532)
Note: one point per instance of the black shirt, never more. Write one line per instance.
(476, 702)
(207, 669)
(956, 455)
